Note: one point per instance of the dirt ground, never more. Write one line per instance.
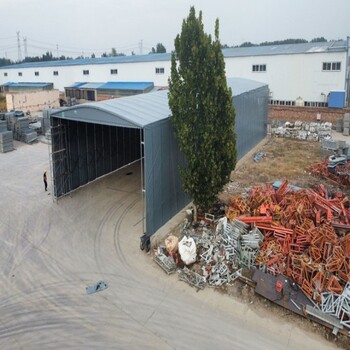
(281, 159)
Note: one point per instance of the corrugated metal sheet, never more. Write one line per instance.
(92, 61)
(26, 84)
(91, 86)
(240, 86)
(114, 85)
(92, 156)
(135, 111)
(141, 110)
(76, 85)
(251, 118)
(231, 52)
(286, 49)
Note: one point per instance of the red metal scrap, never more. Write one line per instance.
(334, 286)
(254, 219)
(300, 240)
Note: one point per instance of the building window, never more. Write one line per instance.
(114, 71)
(55, 72)
(86, 72)
(259, 68)
(159, 70)
(5, 74)
(331, 66)
(36, 74)
(19, 74)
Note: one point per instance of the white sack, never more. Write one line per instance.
(188, 250)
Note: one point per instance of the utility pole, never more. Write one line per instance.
(141, 46)
(25, 47)
(57, 53)
(19, 48)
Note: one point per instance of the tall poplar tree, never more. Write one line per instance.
(202, 112)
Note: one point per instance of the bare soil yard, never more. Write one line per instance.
(282, 159)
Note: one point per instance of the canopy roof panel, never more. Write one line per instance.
(240, 86)
(139, 110)
(133, 111)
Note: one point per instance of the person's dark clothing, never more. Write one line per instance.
(45, 180)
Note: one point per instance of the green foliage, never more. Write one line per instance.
(202, 111)
(284, 42)
(247, 44)
(113, 53)
(160, 48)
(5, 62)
(318, 40)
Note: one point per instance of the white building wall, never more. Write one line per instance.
(288, 76)
(98, 73)
(294, 75)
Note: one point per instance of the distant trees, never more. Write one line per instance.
(159, 49)
(48, 56)
(284, 42)
(247, 44)
(113, 53)
(318, 40)
(5, 62)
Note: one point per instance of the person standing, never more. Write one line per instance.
(45, 180)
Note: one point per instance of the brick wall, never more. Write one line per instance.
(306, 114)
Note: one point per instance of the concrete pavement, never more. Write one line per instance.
(51, 251)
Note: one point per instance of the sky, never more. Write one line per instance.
(73, 28)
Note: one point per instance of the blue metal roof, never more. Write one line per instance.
(113, 85)
(332, 46)
(76, 85)
(90, 86)
(26, 84)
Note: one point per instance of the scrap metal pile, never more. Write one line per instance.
(298, 233)
(339, 174)
(336, 167)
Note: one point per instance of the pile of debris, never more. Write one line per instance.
(20, 127)
(278, 230)
(302, 130)
(335, 168)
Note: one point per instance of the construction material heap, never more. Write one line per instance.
(300, 235)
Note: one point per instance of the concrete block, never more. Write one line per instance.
(346, 131)
(347, 117)
(339, 128)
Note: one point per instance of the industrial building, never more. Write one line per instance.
(93, 139)
(305, 73)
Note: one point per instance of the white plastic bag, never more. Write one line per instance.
(188, 250)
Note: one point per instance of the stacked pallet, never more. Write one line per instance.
(23, 132)
(346, 124)
(6, 138)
